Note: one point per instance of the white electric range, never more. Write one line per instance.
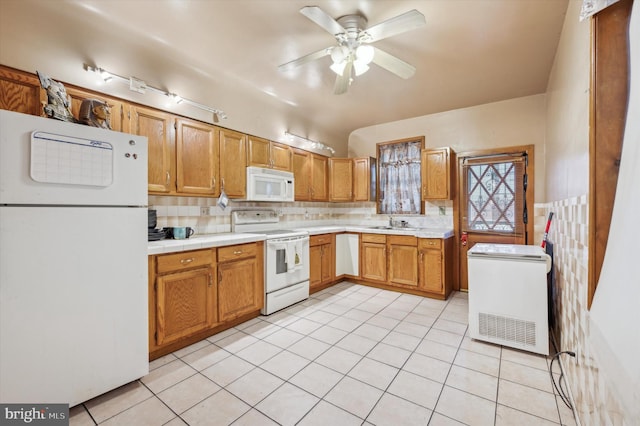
(286, 257)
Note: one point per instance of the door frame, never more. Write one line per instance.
(529, 150)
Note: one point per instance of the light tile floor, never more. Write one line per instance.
(349, 355)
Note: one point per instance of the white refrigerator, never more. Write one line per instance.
(73, 260)
(508, 295)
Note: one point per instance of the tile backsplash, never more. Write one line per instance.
(186, 211)
(594, 402)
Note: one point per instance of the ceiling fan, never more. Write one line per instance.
(353, 53)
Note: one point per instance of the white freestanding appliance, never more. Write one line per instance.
(73, 260)
(508, 295)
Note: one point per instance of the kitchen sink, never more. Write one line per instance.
(394, 228)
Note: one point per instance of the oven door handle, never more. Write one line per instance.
(287, 240)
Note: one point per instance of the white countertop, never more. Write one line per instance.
(227, 239)
(202, 241)
(417, 232)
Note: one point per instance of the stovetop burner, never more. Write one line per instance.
(261, 222)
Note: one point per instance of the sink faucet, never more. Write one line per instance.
(391, 221)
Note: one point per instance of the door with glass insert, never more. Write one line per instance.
(493, 202)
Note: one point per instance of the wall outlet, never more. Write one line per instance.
(205, 211)
(442, 210)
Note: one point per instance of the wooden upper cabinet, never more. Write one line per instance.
(196, 158)
(268, 154)
(319, 178)
(259, 152)
(21, 92)
(233, 163)
(437, 173)
(340, 179)
(120, 115)
(301, 174)
(281, 157)
(157, 126)
(364, 179)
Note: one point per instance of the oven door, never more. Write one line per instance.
(286, 262)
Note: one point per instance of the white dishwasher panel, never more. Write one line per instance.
(508, 296)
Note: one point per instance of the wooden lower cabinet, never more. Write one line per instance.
(240, 281)
(321, 261)
(195, 294)
(186, 304)
(182, 295)
(403, 260)
(373, 257)
(407, 263)
(436, 274)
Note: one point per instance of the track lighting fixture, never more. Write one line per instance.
(140, 86)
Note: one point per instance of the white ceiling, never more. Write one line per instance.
(470, 52)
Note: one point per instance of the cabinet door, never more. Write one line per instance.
(432, 279)
(185, 304)
(258, 152)
(373, 258)
(302, 174)
(238, 293)
(281, 157)
(157, 127)
(319, 178)
(364, 175)
(21, 92)
(315, 266)
(196, 158)
(340, 179)
(328, 262)
(233, 163)
(436, 174)
(403, 265)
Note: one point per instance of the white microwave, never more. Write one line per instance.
(269, 185)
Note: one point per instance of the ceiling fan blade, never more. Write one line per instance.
(402, 23)
(393, 64)
(319, 16)
(305, 59)
(342, 81)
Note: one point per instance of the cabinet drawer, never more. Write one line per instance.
(374, 238)
(242, 251)
(184, 260)
(430, 243)
(402, 240)
(318, 240)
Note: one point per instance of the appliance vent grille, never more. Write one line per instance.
(508, 329)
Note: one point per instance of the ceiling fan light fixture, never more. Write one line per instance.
(364, 54)
(338, 68)
(339, 54)
(360, 67)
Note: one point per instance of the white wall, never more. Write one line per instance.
(567, 156)
(513, 122)
(567, 188)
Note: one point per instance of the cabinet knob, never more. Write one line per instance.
(168, 178)
(187, 261)
(236, 252)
